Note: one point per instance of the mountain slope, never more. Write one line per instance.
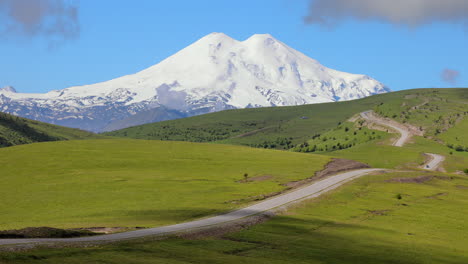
(284, 127)
(215, 73)
(16, 131)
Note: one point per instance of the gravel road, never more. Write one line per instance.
(309, 191)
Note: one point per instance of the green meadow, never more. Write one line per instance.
(409, 216)
(457, 136)
(376, 219)
(380, 154)
(346, 135)
(137, 183)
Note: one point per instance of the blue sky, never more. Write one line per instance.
(119, 37)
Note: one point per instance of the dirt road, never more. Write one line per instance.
(434, 163)
(309, 191)
(436, 160)
(405, 133)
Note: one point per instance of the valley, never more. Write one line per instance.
(234, 132)
(420, 171)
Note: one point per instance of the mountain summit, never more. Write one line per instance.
(215, 73)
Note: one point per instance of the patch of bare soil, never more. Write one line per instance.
(107, 230)
(412, 130)
(462, 187)
(333, 167)
(354, 118)
(436, 196)
(378, 212)
(420, 179)
(44, 232)
(250, 133)
(257, 178)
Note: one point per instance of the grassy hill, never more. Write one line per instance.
(325, 128)
(457, 137)
(407, 216)
(137, 183)
(16, 131)
(286, 127)
(399, 218)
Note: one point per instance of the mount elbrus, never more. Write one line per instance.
(214, 73)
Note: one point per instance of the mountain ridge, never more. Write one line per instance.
(214, 73)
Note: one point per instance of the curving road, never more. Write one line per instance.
(309, 191)
(405, 134)
(434, 163)
(436, 159)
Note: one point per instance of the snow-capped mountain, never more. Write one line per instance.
(215, 73)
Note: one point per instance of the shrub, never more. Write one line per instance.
(460, 148)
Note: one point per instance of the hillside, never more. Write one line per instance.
(16, 131)
(433, 110)
(138, 183)
(398, 218)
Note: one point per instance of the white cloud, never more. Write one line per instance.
(402, 12)
(450, 76)
(56, 19)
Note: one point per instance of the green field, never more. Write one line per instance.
(457, 136)
(380, 154)
(137, 183)
(16, 131)
(144, 183)
(345, 136)
(372, 220)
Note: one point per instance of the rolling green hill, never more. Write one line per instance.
(398, 218)
(408, 216)
(137, 183)
(441, 114)
(434, 110)
(16, 131)
(457, 137)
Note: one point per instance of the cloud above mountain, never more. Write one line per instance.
(53, 19)
(411, 13)
(450, 76)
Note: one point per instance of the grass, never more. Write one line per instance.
(362, 222)
(434, 110)
(133, 183)
(16, 131)
(345, 136)
(380, 154)
(286, 127)
(457, 136)
(148, 183)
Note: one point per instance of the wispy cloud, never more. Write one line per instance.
(56, 20)
(410, 13)
(450, 76)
